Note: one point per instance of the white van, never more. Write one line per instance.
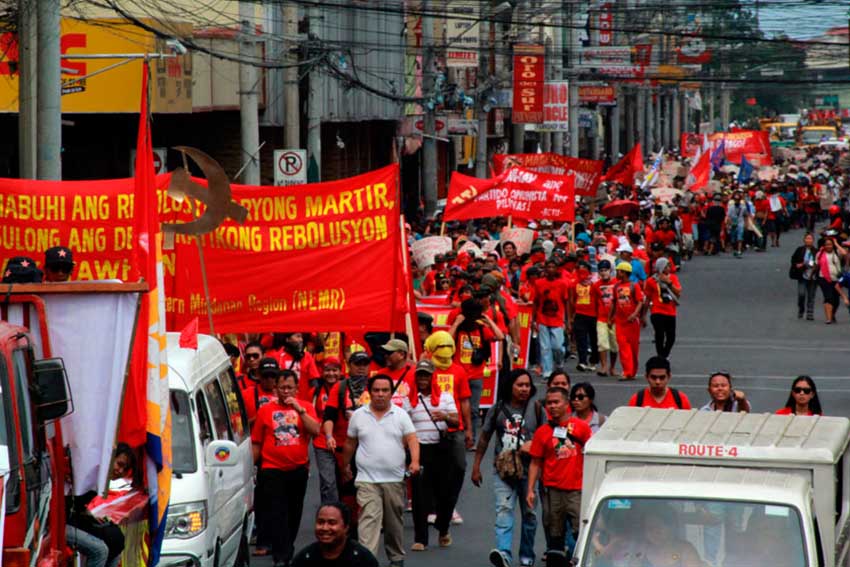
(210, 515)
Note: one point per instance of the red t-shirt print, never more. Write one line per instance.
(280, 432)
(550, 297)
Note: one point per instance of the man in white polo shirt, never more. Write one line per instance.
(379, 433)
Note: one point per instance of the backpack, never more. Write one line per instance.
(677, 398)
(343, 389)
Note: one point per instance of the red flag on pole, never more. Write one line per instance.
(624, 170)
(189, 335)
(700, 172)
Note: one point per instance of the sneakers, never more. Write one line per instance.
(499, 558)
(457, 519)
(584, 367)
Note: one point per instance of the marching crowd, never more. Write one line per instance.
(390, 430)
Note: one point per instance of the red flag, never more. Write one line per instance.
(189, 335)
(700, 172)
(624, 170)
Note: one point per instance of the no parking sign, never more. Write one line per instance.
(290, 167)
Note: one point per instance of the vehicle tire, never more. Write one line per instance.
(243, 556)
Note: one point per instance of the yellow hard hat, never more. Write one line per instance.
(624, 267)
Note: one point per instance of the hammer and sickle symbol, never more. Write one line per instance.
(216, 196)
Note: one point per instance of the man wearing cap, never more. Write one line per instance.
(432, 412)
(325, 460)
(637, 273)
(281, 436)
(58, 264)
(264, 391)
(550, 307)
(627, 312)
(397, 367)
(438, 270)
(715, 214)
(602, 295)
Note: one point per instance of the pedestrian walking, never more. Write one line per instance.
(333, 547)
(662, 297)
(723, 396)
(281, 436)
(829, 261)
(606, 336)
(627, 311)
(557, 451)
(582, 400)
(379, 433)
(513, 420)
(583, 319)
(550, 295)
(432, 412)
(659, 394)
(803, 399)
(736, 220)
(804, 270)
(325, 458)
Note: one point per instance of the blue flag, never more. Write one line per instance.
(718, 156)
(746, 171)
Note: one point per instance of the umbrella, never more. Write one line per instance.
(620, 208)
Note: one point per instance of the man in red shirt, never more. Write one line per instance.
(662, 295)
(397, 367)
(265, 391)
(294, 357)
(627, 312)
(281, 437)
(606, 338)
(686, 217)
(583, 319)
(558, 449)
(251, 377)
(659, 394)
(550, 306)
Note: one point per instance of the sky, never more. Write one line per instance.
(802, 21)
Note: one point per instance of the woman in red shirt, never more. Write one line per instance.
(803, 399)
(662, 294)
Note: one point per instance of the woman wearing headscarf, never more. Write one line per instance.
(662, 295)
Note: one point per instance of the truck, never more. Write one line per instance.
(35, 396)
(695, 488)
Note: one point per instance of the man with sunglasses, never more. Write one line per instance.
(251, 378)
(264, 392)
(659, 394)
(58, 264)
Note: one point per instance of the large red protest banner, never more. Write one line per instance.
(754, 144)
(587, 172)
(518, 192)
(529, 78)
(291, 266)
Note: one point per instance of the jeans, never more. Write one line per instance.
(806, 291)
(326, 463)
(507, 496)
(665, 333)
(551, 339)
(93, 549)
(585, 331)
(476, 386)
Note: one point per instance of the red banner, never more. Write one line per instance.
(529, 78)
(518, 192)
(288, 268)
(587, 172)
(753, 144)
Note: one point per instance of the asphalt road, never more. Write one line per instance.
(738, 315)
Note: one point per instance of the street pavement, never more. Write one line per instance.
(737, 315)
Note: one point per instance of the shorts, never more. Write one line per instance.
(687, 242)
(736, 233)
(606, 337)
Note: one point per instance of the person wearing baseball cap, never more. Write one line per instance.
(325, 458)
(397, 367)
(627, 312)
(58, 264)
(602, 295)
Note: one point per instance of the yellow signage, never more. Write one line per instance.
(114, 90)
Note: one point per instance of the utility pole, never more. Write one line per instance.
(650, 123)
(27, 89)
(484, 27)
(49, 141)
(314, 108)
(558, 68)
(640, 110)
(292, 124)
(725, 101)
(615, 125)
(677, 117)
(573, 76)
(629, 99)
(517, 130)
(248, 107)
(429, 141)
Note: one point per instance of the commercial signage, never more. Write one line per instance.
(116, 90)
(598, 94)
(529, 80)
(556, 107)
(606, 24)
(462, 33)
(605, 56)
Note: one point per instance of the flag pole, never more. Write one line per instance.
(510, 221)
(201, 258)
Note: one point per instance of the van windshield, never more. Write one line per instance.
(650, 531)
(182, 435)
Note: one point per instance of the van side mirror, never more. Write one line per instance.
(51, 392)
(221, 453)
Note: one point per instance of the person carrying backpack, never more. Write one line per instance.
(659, 394)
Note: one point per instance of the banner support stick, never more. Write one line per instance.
(201, 259)
(510, 221)
(443, 229)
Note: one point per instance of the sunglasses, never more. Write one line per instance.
(801, 390)
(252, 355)
(579, 397)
